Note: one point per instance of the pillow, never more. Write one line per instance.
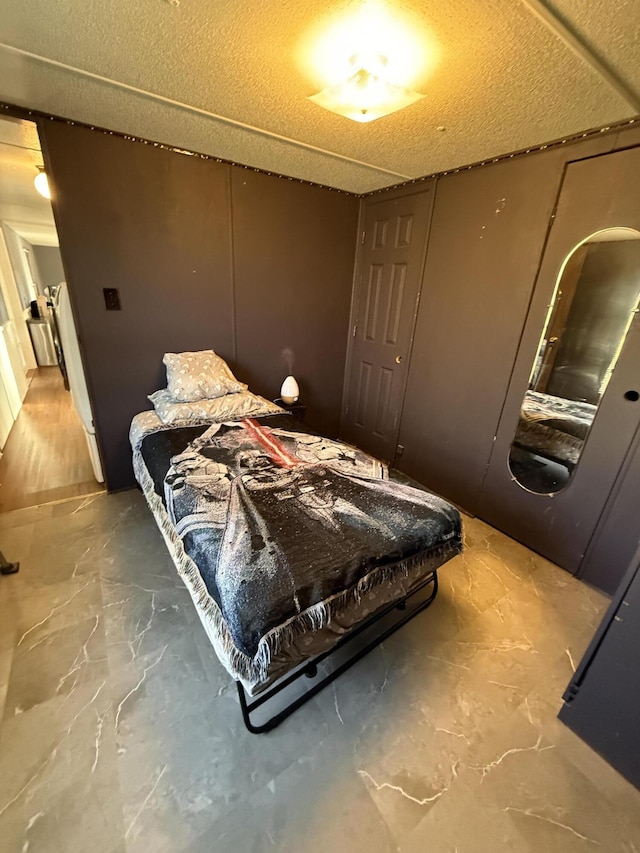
(199, 376)
(227, 408)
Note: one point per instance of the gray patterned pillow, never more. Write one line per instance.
(228, 407)
(200, 375)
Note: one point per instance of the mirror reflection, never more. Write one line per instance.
(595, 298)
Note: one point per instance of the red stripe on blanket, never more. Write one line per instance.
(274, 448)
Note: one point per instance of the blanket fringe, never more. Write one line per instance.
(319, 615)
(256, 670)
(553, 434)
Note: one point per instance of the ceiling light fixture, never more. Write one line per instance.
(369, 59)
(41, 183)
(366, 94)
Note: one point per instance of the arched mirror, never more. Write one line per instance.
(594, 301)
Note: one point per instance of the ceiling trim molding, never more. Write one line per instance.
(554, 22)
(27, 229)
(200, 111)
(523, 152)
(21, 147)
(16, 111)
(28, 114)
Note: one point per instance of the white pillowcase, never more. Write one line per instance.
(226, 408)
(200, 375)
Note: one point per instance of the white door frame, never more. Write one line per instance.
(14, 306)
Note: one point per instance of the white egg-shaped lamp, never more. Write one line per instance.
(289, 393)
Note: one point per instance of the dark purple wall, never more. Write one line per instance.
(158, 226)
(488, 233)
(294, 249)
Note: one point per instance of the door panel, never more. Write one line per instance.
(597, 194)
(396, 297)
(385, 305)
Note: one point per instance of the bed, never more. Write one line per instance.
(288, 542)
(554, 427)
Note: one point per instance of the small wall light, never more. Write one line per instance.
(41, 183)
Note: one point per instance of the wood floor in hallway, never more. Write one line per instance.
(46, 457)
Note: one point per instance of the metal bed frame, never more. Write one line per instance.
(310, 669)
(564, 463)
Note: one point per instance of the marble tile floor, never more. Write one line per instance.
(121, 732)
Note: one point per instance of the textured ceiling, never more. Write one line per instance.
(186, 72)
(610, 29)
(21, 206)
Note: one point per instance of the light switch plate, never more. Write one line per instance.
(111, 299)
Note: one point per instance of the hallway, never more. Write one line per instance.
(46, 457)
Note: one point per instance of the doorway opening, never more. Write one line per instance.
(48, 449)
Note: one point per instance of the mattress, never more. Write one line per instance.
(285, 539)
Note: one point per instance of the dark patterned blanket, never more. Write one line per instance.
(554, 427)
(572, 417)
(286, 528)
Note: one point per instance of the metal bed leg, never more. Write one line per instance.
(310, 670)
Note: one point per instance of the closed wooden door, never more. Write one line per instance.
(387, 291)
(597, 221)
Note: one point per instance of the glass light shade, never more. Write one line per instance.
(289, 393)
(41, 183)
(365, 96)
